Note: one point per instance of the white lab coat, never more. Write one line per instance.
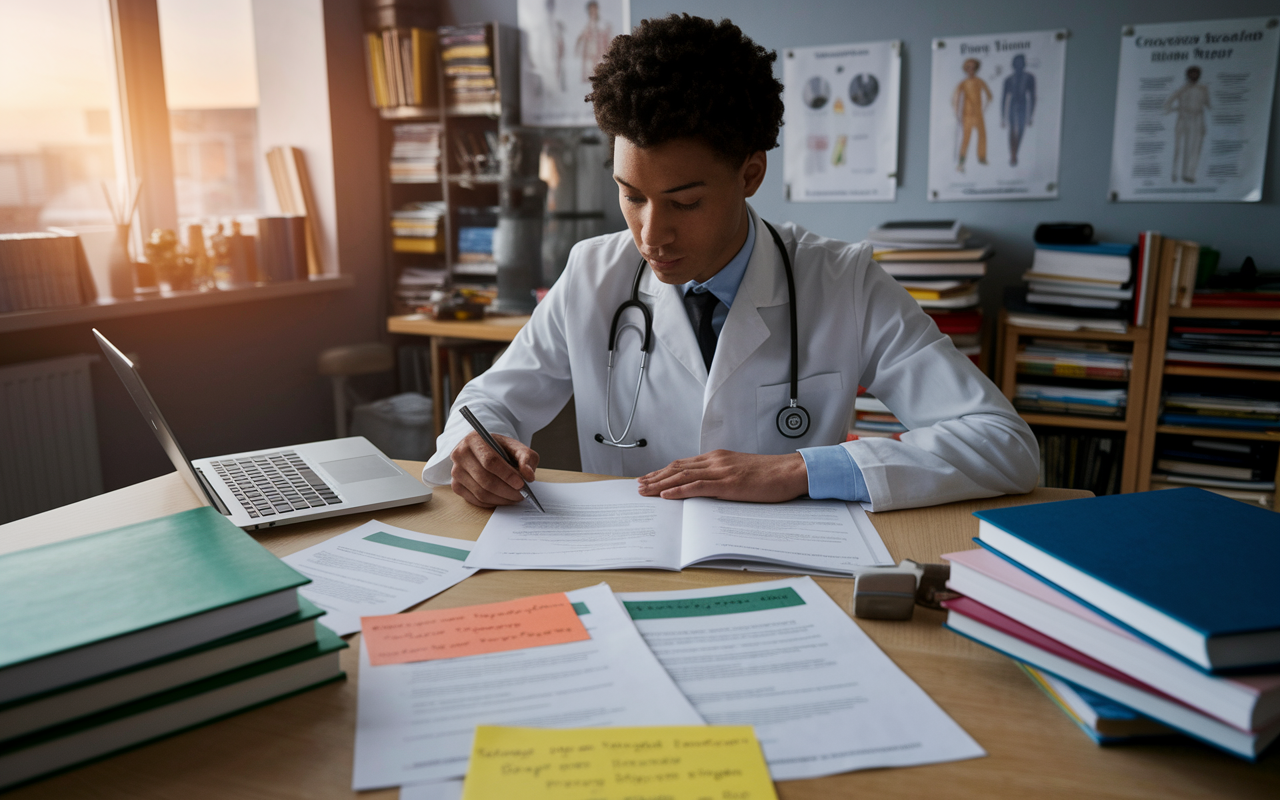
(857, 326)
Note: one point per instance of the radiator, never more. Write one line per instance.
(48, 436)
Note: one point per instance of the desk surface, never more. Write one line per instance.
(302, 747)
(489, 329)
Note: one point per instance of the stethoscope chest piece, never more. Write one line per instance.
(793, 422)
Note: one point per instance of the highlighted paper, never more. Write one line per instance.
(691, 762)
(472, 630)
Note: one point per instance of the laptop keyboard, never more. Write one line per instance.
(274, 483)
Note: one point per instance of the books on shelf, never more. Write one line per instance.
(1048, 399)
(1074, 459)
(1233, 343)
(402, 67)
(415, 153)
(43, 270)
(930, 233)
(1220, 463)
(132, 634)
(1022, 312)
(1230, 411)
(1071, 359)
(1108, 262)
(466, 52)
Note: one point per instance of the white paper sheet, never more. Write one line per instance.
(608, 525)
(415, 722)
(822, 697)
(995, 116)
(1188, 139)
(444, 790)
(840, 140)
(598, 525)
(377, 569)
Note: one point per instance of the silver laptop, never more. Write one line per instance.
(265, 488)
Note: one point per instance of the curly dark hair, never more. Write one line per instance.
(684, 76)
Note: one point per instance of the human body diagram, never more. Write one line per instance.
(1017, 105)
(970, 107)
(1190, 102)
(593, 41)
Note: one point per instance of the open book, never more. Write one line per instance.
(608, 525)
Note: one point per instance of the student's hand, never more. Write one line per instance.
(727, 475)
(483, 478)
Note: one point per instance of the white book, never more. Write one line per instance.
(609, 525)
(1071, 300)
(1082, 265)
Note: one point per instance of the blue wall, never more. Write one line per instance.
(1237, 229)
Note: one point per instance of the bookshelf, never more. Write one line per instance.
(469, 126)
(1129, 427)
(1163, 315)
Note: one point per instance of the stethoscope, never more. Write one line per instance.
(792, 420)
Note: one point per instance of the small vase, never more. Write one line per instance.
(120, 266)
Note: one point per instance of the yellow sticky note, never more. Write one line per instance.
(696, 762)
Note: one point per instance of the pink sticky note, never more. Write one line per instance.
(472, 630)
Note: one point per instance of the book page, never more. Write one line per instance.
(783, 657)
(415, 722)
(597, 525)
(821, 535)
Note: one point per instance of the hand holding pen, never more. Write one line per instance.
(492, 470)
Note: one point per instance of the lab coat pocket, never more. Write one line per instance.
(822, 396)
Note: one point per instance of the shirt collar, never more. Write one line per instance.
(724, 284)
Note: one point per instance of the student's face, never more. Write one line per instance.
(685, 205)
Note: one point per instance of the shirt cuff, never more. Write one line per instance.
(833, 474)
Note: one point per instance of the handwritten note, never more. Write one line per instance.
(687, 762)
(472, 630)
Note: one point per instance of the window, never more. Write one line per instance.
(59, 123)
(211, 88)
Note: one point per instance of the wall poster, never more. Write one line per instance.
(561, 41)
(995, 116)
(840, 140)
(1193, 109)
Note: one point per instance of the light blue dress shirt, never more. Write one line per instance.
(833, 474)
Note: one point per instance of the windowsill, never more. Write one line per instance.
(167, 301)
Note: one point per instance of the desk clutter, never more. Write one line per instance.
(1137, 606)
(126, 636)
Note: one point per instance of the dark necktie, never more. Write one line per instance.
(702, 306)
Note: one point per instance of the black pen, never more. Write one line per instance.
(525, 492)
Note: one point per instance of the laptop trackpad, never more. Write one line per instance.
(363, 468)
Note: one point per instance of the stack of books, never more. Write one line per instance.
(43, 270)
(417, 286)
(939, 264)
(1236, 468)
(1102, 721)
(123, 637)
(871, 417)
(1085, 287)
(402, 67)
(470, 84)
(415, 153)
(1162, 602)
(415, 228)
(1247, 411)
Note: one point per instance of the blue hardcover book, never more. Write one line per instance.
(1097, 249)
(1190, 570)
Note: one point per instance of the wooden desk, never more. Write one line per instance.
(302, 747)
(441, 333)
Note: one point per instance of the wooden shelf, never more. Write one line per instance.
(1223, 372)
(168, 301)
(1225, 312)
(409, 113)
(1074, 421)
(1221, 433)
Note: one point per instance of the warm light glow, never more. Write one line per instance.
(53, 55)
(208, 53)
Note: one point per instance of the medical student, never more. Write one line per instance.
(712, 353)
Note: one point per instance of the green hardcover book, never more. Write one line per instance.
(128, 726)
(21, 717)
(97, 604)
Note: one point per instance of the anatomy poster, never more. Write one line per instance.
(561, 41)
(841, 133)
(995, 116)
(1193, 108)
